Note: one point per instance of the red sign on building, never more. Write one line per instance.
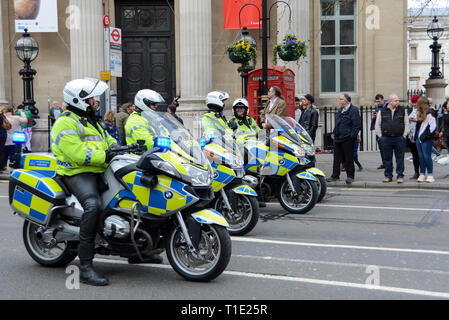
(249, 17)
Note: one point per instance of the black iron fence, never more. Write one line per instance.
(367, 134)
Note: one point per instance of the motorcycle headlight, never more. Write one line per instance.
(299, 151)
(165, 166)
(198, 176)
(309, 150)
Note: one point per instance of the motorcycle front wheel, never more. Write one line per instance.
(302, 199)
(244, 217)
(45, 252)
(202, 264)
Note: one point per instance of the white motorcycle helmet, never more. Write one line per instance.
(240, 103)
(145, 98)
(77, 92)
(215, 100)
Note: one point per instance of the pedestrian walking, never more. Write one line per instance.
(309, 117)
(347, 127)
(356, 153)
(425, 129)
(380, 103)
(411, 142)
(392, 127)
(16, 122)
(121, 118)
(275, 105)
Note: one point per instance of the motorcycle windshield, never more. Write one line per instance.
(283, 128)
(183, 143)
(219, 144)
(304, 135)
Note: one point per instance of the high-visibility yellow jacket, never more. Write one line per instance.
(78, 146)
(137, 128)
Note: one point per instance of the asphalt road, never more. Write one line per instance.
(356, 244)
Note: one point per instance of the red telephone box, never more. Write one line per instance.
(277, 76)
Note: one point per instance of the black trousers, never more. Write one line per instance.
(86, 187)
(415, 155)
(344, 153)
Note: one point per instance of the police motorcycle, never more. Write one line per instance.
(234, 198)
(151, 202)
(307, 144)
(277, 160)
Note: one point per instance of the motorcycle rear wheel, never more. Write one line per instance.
(322, 188)
(49, 255)
(205, 263)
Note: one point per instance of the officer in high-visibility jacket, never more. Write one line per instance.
(242, 124)
(82, 149)
(215, 102)
(137, 127)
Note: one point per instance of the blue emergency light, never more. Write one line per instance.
(19, 137)
(203, 142)
(162, 142)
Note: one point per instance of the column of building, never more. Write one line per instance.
(195, 59)
(86, 38)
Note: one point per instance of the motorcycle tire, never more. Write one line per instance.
(288, 200)
(45, 254)
(196, 265)
(252, 208)
(322, 188)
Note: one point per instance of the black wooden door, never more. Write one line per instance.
(148, 48)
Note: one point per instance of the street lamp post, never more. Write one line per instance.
(246, 68)
(442, 61)
(435, 31)
(27, 50)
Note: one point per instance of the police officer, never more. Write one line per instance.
(215, 102)
(137, 127)
(82, 149)
(241, 122)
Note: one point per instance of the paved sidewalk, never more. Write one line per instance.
(371, 177)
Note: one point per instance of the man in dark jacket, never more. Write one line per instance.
(347, 127)
(309, 116)
(121, 118)
(392, 127)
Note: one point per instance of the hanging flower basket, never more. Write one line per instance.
(241, 52)
(291, 49)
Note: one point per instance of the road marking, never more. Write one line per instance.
(338, 246)
(349, 189)
(434, 294)
(380, 208)
(343, 264)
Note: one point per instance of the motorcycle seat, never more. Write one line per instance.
(63, 186)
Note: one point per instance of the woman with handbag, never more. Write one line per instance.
(425, 129)
(4, 126)
(16, 122)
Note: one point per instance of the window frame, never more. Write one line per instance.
(338, 57)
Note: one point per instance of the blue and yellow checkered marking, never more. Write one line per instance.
(30, 205)
(168, 196)
(39, 182)
(245, 190)
(280, 162)
(306, 176)
(316, 172)
(222, 176)
(210, 216)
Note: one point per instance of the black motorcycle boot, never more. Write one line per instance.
(88, 275)
(155, 259)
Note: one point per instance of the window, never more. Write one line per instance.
(413, 53)
(338, 46)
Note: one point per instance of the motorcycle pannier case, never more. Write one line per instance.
(33, 195)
